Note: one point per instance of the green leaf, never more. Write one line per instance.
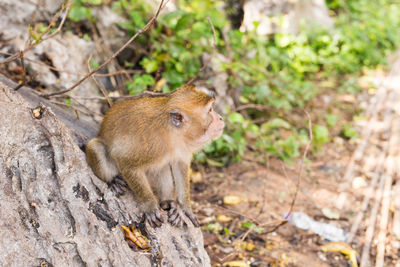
(77, 13)
(331, 119)
(214, 163)
(149, 65)
(349, 131)
(236, 118)
(320, 134)
(227, 232)
(274, 124)
(94, 2)
(140, 83)
(250, 225)
(213, 227)
(184, 22)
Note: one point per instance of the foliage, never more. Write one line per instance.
(81, 10)
(281, 71)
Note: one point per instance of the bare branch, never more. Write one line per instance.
(253, 106)
(301, 164)
(101, 87)
(144, 29)
(43, 37)
(21, 54)
(61, 23)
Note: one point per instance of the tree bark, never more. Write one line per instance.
(54, 210)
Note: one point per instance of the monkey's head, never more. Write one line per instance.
(192, 115)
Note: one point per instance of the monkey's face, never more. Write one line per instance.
(214, 122)
(194, 118)
(207, 125)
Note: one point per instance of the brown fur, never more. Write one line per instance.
(150, 142)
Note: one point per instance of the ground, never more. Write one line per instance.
(354, 180)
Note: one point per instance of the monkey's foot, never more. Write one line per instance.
(153, 218)
(176, 213)
(191, 217)
(117, 185)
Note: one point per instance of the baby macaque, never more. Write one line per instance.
(150, 142)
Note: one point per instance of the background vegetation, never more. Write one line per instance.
(282, 74)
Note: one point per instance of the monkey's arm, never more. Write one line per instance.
(180, 172)
(139, 184)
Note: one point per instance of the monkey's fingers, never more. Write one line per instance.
(192, 217)
(120, 181)
(154, 218)
(117, 189)
(175, 218)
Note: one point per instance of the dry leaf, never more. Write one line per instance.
(232, 200)
(343, 248)
(195, 177)
(248, 246)
(223, 218)
(133, 234)
(236, 264)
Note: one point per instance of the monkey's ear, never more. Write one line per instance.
(178, 118)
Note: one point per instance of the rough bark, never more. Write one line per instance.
(53, 209)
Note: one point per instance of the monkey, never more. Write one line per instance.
(150, 142)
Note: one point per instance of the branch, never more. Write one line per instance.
(101, 87)
(144, 29)
(301, 165)
(253, 106)
(23, 82)
(43, 37)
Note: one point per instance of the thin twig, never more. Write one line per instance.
(301, 165)
(212, 53)
(142, 94)
(144, 29)
(43, 37)
(101, 87)
(72, 107)
(61, 23)
(23, 82)
(118, 72)
(238, 213)
(253, 106)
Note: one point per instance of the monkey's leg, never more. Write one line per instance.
(164, 187)
(180, 173)
(100, 161)
(139, 184)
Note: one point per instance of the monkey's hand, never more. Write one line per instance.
(176, 212)
(118, 185)
(152, 215)
(153, 218)
(192, 217)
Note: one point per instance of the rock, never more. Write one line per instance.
(274, 16)
(69, 53)
(17, 15)
(219, 80)
(265, 13)
(66, 52)
(54, 210)
(309, 12)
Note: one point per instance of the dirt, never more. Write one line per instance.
(267, 196)
(265, 192)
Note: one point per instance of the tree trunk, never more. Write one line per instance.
(54, 210)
